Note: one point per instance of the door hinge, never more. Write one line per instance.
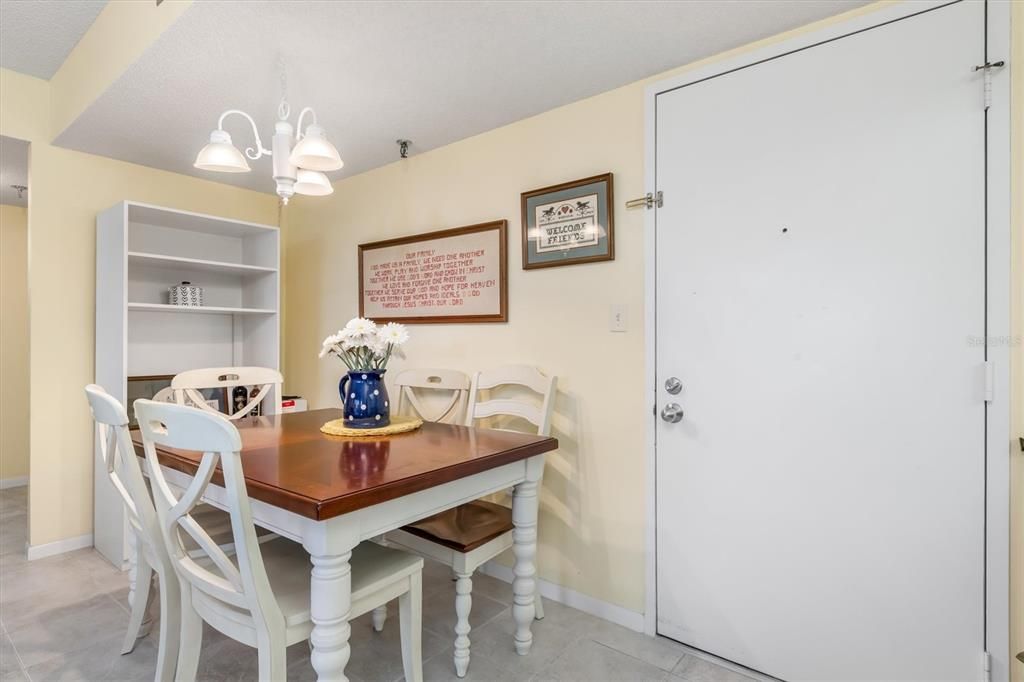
(986, 662)
(990, 381)
(986, 68)
(647, 201)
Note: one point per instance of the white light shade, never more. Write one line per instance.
(220, 155)
(312, 183)
(314, 152)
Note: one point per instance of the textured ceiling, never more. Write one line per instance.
(433, 72)
(13, 170)
(37, 35)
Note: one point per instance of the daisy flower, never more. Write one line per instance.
(360, 327)
(328, 346)
(393, 334)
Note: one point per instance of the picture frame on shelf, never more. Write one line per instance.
(569, 223)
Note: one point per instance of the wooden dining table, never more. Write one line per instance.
(330, 493)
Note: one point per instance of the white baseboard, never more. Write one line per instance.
(59, 547)
(633, 620)
(14, 482)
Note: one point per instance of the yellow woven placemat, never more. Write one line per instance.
(336, 427)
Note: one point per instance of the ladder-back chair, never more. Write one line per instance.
(471, 534)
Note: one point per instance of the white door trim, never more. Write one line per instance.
(998, 284)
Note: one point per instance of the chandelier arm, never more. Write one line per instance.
(298, 125)
(252, 152)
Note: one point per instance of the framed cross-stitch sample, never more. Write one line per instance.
(568, 223)
(457, 275)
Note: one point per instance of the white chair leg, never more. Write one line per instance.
(191, 638)
(273, 659)
(463, 604)
(538, 607)
(380, 614)
(410, 616)
(139, 593)
(170, 628)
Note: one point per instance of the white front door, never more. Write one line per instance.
(821, 300)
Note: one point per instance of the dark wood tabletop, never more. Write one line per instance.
(289, 463)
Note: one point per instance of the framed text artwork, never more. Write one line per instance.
(568, 223)
(457, 275)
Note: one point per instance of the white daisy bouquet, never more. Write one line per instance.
(363, 345)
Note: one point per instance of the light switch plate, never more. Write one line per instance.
(617, 319)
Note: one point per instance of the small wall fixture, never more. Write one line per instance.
(403, 148)
(19, 189)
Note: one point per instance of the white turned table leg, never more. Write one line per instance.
(463, 605)
(524, 547)
(330, 598)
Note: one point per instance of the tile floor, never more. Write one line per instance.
(63, 618)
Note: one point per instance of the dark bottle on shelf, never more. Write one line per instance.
(239, 397)
(258, 408)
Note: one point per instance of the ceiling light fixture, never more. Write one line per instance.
(19, 189)
(299, 159)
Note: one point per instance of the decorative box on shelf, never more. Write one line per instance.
(185, 294)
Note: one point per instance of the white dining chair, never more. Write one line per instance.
(261, 596)
(187, 385)
(433, 395)
(148, 552)
(469, 535)
(122, 466)
(166, 395)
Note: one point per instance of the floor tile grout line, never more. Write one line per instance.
(117, 601)
(21, 664)
(635, 658)
(682, 655)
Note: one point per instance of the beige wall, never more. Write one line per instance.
(13, 342)
(1017, 357)
(593, 523)
(68, 190)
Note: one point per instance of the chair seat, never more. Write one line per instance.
(466, 527)
(217, 523)
(288, 568)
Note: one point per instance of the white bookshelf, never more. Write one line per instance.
(141, 251)
(204, 310)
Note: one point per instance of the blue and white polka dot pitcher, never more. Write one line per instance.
(364, 398)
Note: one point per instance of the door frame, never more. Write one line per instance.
(998, 288)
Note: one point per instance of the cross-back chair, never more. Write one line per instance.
(122, 466)
(187, 386)
(259, 597)
(467, 536)
(412, 383)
